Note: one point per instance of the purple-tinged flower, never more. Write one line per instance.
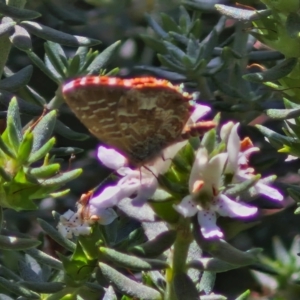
(141, 183)
(238, 157)
(138, 184)
(205, 198)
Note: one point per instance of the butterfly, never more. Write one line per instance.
(138, 117)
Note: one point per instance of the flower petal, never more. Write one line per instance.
(208, 222)
(268, 191)
(109, 197)
(186, 207)
(229, 208)
(225, 131)
(233, 149)
(111, 158)
(199, 167)
(199, 112)
(106, 216)
(83, 229)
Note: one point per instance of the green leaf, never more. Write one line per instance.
(133, 262)
(44, 287)
(24, 107)
(56, 236)
(275, 138)
(176, 53)
(156, 27)
(56, 36)
(66, 151)
(127, 286)
(169, 63)
(12, 134)
(282, 114)
(169, 24)
(242, 14)
(60, 193)
(196, 28)
(41, 65)
(238, 188)
(156, 246)
(103, 58)
(17, 80)
(45, 259)
(293, 25)
(61, 179)
(188, 62)
(51, 68)
(209, 45)
(244, 296)
(224, 251)
(184, 20)
(25, 148)
(21, 39)
(18, 289)
(225, 88)
(154, 43)
(45, 171)
(7, 150)
(16, 243)
(179, 37)
(65, 131)
(33, 98)
(57, 57)
(42, 151)
(43, 130)
(18, 13)
(90, 56)
(82, 53)
(65, 13)
(281, 70)
(74, 66)
(211, 264)
(193, 49)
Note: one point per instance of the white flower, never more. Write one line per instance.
(79, 223)
(70, 224)
(205, 199)
(238, 156)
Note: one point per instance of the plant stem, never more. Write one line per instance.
(178, 256)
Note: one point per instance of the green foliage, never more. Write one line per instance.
(162, 257)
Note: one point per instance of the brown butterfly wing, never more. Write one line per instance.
(139, 120)
(96, 107)
(151, 119)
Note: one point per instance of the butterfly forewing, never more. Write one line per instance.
(138, 116)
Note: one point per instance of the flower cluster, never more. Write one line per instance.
(208, 177)
(211, 174)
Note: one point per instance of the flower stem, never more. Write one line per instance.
(178, 256)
